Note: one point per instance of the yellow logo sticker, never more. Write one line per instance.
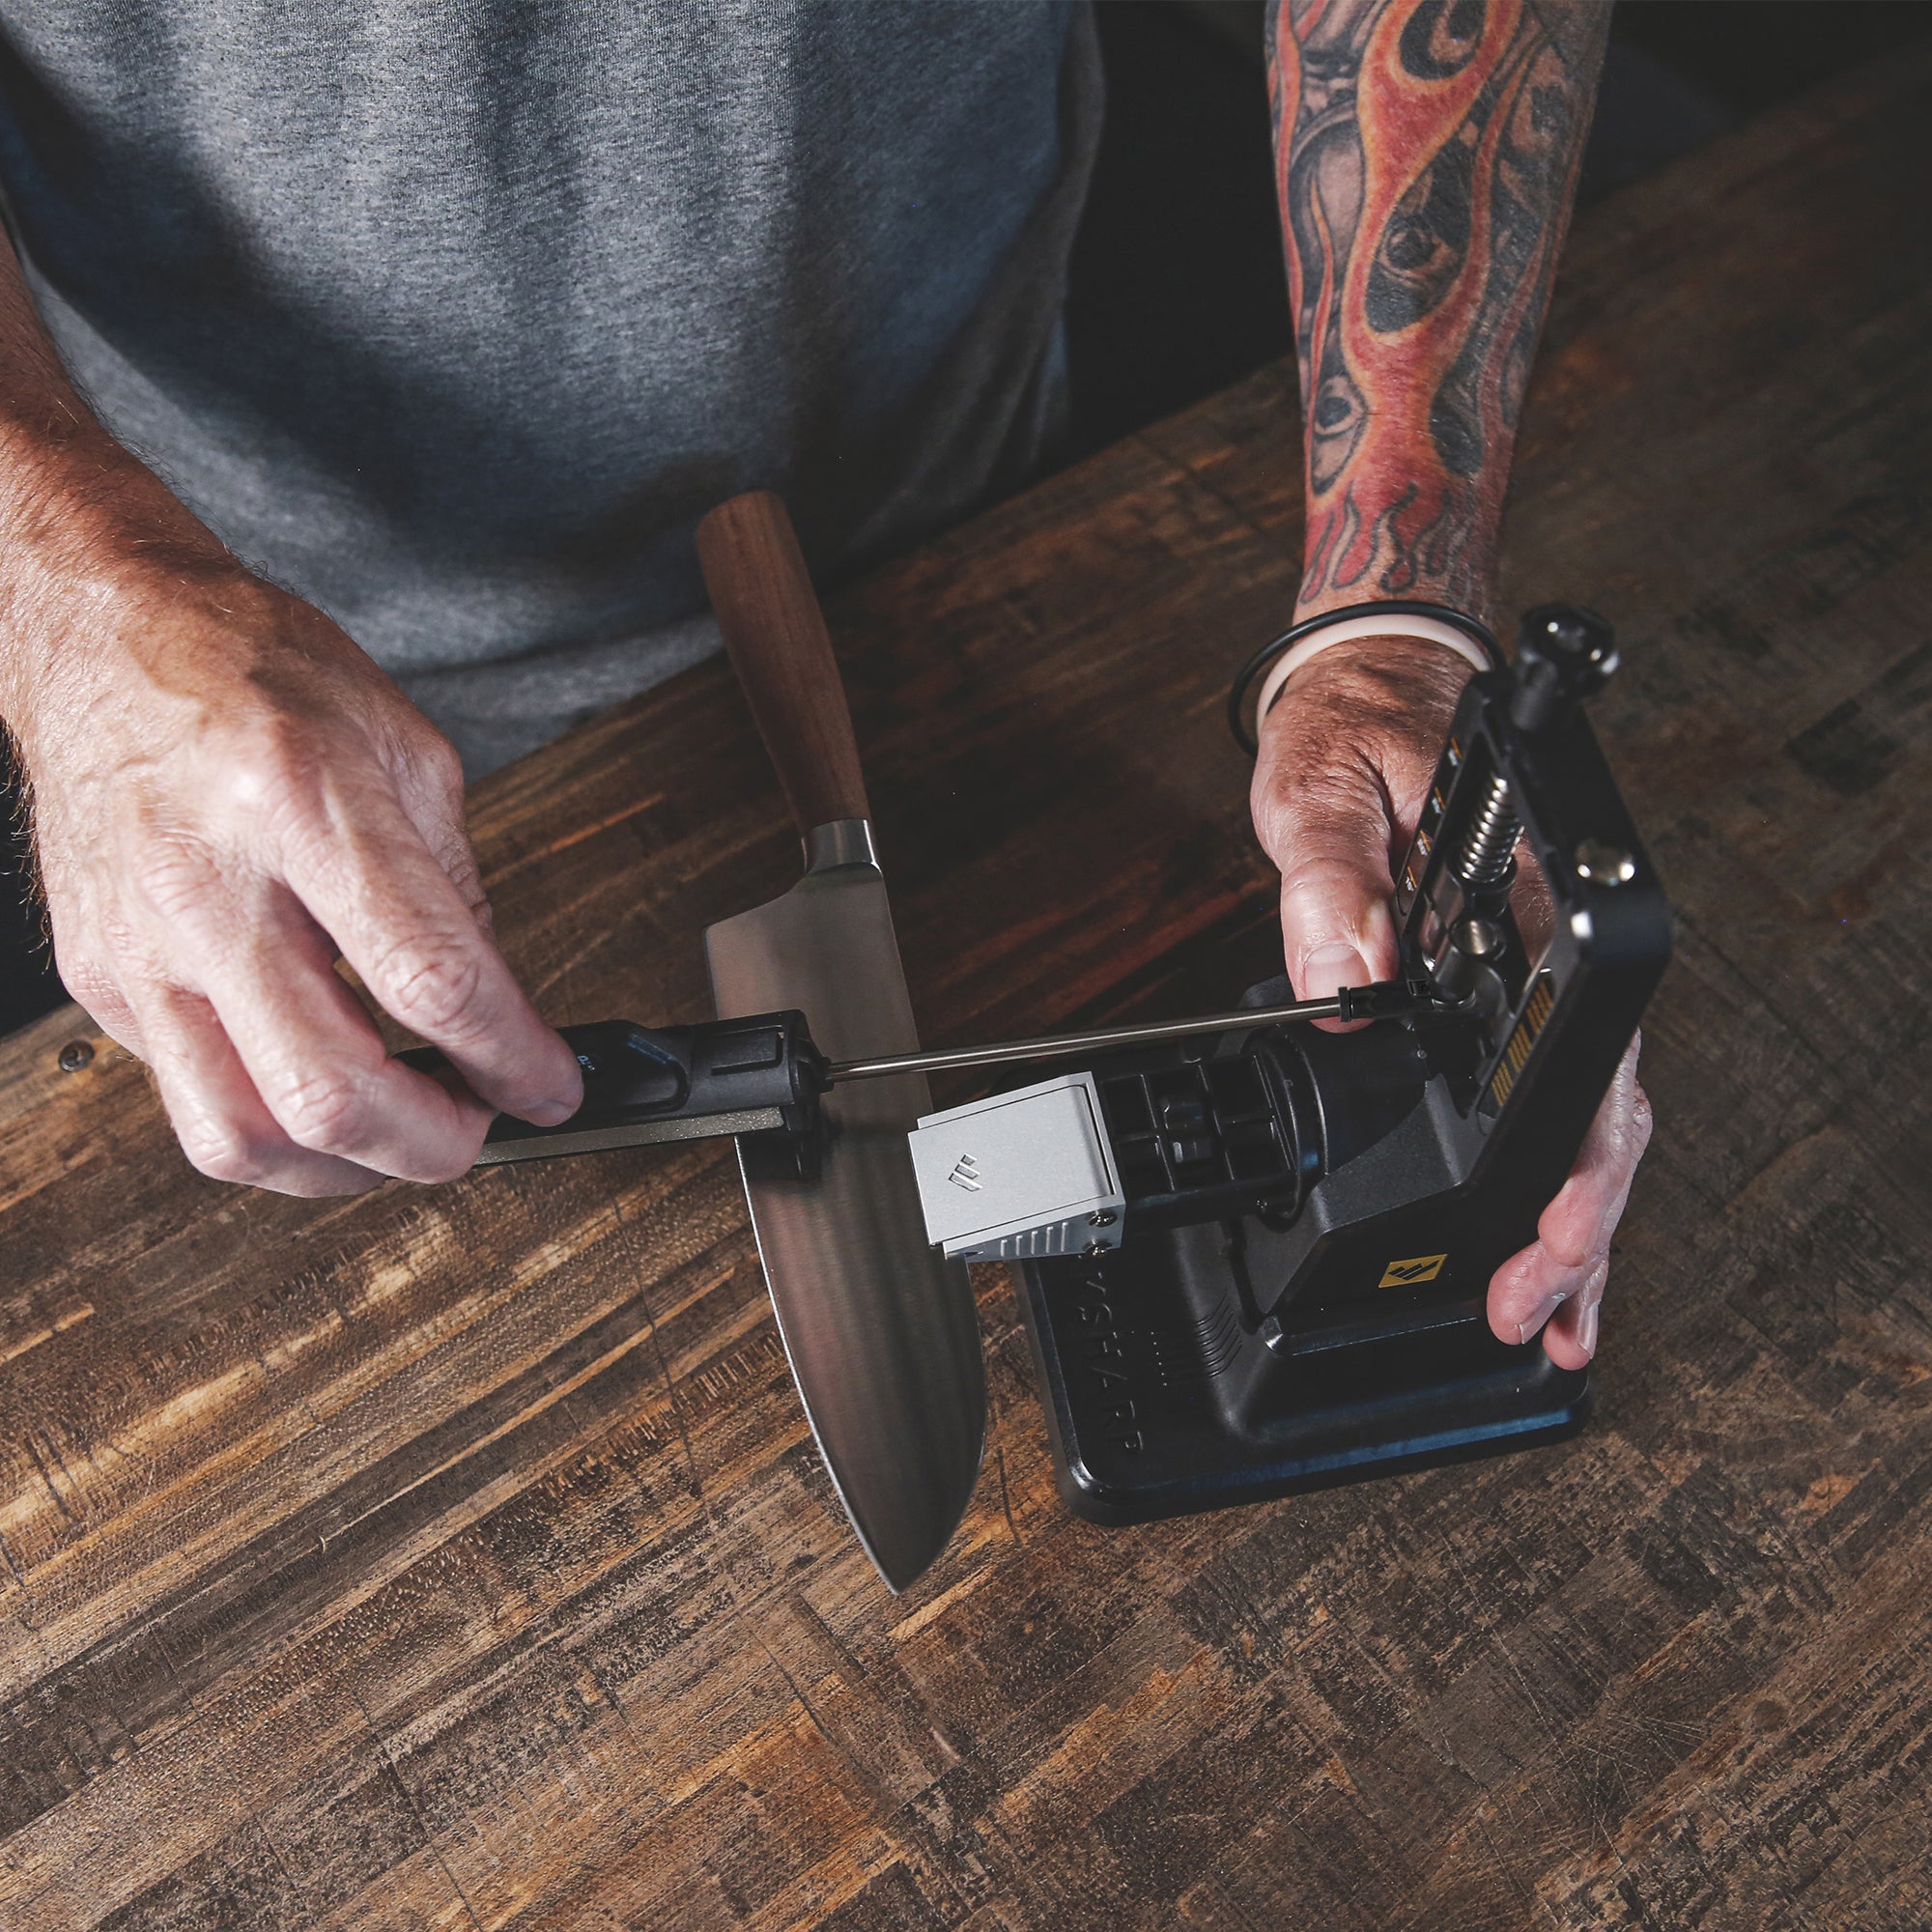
(1412, 1272)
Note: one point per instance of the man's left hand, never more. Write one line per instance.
(1346, 754)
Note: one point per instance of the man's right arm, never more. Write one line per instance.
(227, 796)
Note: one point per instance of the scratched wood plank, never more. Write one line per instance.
(459, 1558)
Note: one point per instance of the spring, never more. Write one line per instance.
(1488, 845)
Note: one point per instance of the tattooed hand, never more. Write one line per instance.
(1346, 754)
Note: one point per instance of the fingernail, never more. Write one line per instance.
(1544, 1308)
(1330, 967)
(549, 1113)
(1586, 1328)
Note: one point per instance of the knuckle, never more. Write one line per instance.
(440, 761)
(222, 1152)
(452, 1166)
(1333, 818)
(452, 853)
(176, 878)
(1332, 880)
(95, 986)
(1333, 899)
(1643, 1121)
(102, 968)
(432, 985)
(253, 745)
(265, 770)
(327, 1112)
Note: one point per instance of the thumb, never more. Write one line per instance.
(1330, 837)
(1336, 927)
(1345, 755)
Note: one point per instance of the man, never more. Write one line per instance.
(415, 340)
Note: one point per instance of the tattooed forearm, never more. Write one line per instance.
(1425, 156)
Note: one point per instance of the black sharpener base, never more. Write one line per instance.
(1162, 1398)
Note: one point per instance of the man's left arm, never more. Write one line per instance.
(1427, 154)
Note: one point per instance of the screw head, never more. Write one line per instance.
(1570, 639)
(1605, 864)
(75, 1055)
(1102, 1217)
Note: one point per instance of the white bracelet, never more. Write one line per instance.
(1343, 630)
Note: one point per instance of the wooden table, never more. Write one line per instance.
(459, 1557)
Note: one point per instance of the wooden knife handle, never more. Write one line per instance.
(776, 635)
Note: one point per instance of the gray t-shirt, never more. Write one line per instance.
(454, 315)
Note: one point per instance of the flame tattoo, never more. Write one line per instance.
(1426, 157)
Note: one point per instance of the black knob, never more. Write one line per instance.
(1563, 654)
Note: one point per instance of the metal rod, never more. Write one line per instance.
(1052, 1045)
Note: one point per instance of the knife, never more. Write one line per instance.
(880, 1329)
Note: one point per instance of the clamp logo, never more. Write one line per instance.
(966, 1173)
(1414, 1272)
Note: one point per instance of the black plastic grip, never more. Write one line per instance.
(643, 1085)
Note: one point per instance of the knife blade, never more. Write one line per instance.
(879, 1328)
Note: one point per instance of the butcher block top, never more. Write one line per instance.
(458, 1556)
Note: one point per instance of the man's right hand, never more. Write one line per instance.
(227, 795)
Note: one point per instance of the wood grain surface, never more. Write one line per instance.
(457, 1557)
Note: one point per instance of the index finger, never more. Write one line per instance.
(404, 926)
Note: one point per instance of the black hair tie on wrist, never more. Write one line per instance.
(1251, 672)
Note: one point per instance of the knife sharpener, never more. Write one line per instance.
(1254, 1257)
(1257, 1262)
